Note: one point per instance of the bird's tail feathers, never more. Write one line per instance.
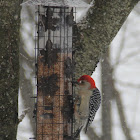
(76, 134)
(86, 126)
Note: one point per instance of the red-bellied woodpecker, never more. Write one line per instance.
(87, 103)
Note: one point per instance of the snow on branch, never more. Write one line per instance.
(24, 112)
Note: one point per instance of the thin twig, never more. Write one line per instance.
(121, 45)
(129, 56)
(127, 84)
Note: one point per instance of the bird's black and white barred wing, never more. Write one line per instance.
(94, 104)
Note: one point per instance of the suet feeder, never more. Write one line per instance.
(54, 67)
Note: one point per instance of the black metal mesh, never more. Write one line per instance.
(54, 72)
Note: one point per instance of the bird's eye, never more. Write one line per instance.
(81, 82)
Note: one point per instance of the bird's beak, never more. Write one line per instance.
(75, 82)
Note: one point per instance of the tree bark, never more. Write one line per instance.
(101, 25)
(9, 60)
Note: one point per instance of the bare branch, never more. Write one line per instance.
(129, 56)
(123, 121)
(122, 43)
(127, 84)
(24, 112)
(121, 46)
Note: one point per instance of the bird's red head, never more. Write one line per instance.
(88, 79)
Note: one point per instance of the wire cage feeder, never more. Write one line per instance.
(54, 64)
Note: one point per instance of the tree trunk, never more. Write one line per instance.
(9, 60)
(107, 93)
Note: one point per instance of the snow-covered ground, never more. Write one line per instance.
(127, 72)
